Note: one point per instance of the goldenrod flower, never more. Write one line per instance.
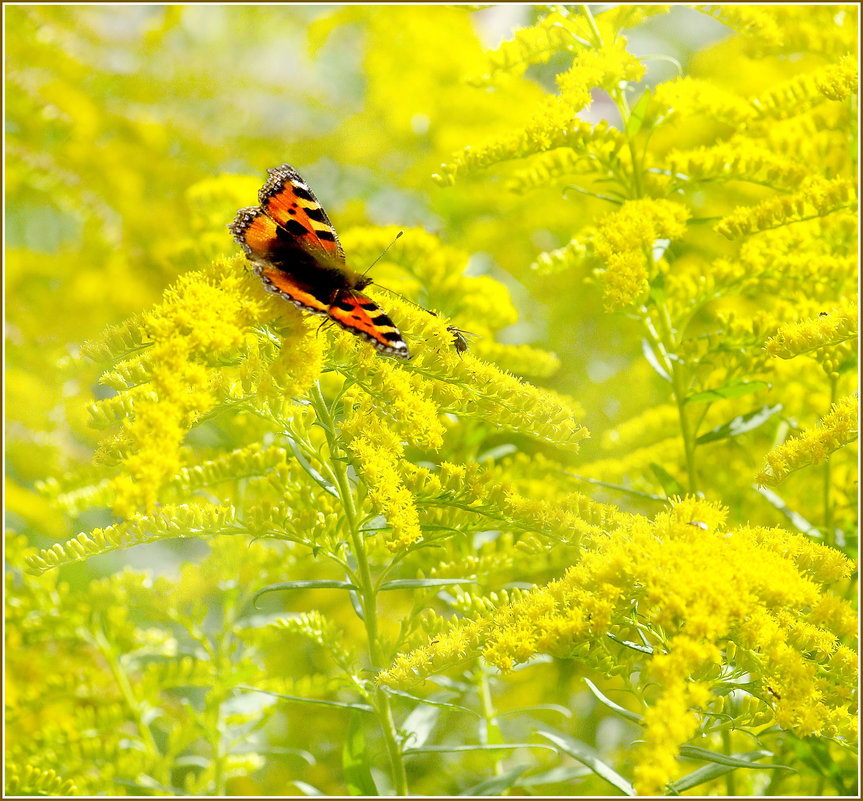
(695, 586)
(624, 240)
(830, 327)
(814, 445)
(819, 197)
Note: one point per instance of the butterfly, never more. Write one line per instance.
(297, 254)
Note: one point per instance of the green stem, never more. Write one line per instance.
(367, 590)
(134, 706)
(667, 342)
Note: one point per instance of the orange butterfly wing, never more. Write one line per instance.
(362, 316)
(288, 199)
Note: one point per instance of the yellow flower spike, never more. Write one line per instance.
(693, 97)
(810, 29)
(814, 445)
(300, 359)
(831, 327)
(838, 81)
(819, 197)
(623, 239)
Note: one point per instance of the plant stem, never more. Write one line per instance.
(367, 591)
(97, 636)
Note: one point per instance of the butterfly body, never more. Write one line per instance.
(297, 254)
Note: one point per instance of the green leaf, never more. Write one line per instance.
(657, 287)
(449, 749)
(497, 785)
(625, 713)
(355, 761)
(796, 519)
(430, 702)
(417, 727)
(740, 424)
(412, 584)
(652, 360)
(721, 764)
(554, 776)
(587, 756)
(745, 760)
(316, 701)
(670, 485)
(636, 117)
(316, 476)
(633, 646)
(728, 391)
(308, 584)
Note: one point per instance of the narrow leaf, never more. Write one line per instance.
(316, 476)
(306, 584)
(447, 749)
(430, 701)
(657, 283)
(498, 452)
(587, 756)
(554, 776)
(636, 117)
(642, 649)
(745, 760)
(625, 713)
(740, 424)
(797, 520)
(728, 391)
(355, 761)
(419, 724)
(306, 789)
(497, 785)
(653, 361)
(708, 773)
(411, 584)
(316, 701)
(670, 485)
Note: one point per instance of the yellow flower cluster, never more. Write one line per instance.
(802, 92)
(203, 316)
(818, 198)
(552, 127)
(739, 158)
(814, 445)
(838, 81)
(562, 31)
(819, 254)
(545, 168)
(827, 29)
(298, 365)
(673, 718)
(694, 586)
(577, 252)
(438, 270)
(828, 328)
(695, 97)
(605, 68)
(624, 240)
(535, 45)
(377, 453)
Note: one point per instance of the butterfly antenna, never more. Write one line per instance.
(384, 253)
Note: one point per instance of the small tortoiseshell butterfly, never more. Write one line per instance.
(297, 254)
